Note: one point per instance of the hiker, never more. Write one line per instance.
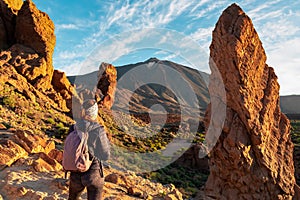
(98, 148)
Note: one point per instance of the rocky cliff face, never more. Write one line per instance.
(9, 10)
(27, 42)
(253, 158)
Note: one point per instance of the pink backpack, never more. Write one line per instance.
(76, 156)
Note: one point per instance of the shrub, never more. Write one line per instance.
(9, 101)
(50, 121)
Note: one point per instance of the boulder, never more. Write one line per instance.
(253, 157)
(33, 143)
(56, 155)
(44, 163)
(10, 152)
(113, 178)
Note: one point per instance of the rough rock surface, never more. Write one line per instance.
(10, 76)
(62, 85)
(8, 13)
(27, 39)
(107, 83)
(253, 158)
(35, 29)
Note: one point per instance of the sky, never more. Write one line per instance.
(126, 32)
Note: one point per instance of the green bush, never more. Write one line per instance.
(9, 101)
(50, 121)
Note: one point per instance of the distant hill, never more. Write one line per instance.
(290, 105)
(152, 82)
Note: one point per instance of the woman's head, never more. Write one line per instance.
(90, 109)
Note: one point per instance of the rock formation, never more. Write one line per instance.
(107, 83)
(62, 85)
(253, 158)
(190, 158)
(27, 42)
(8, 13)
(21, 144)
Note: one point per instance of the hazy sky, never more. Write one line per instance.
(114, 27)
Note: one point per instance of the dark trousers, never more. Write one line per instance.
(91, 179)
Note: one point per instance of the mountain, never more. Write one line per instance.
(290, 105)
(145, 84)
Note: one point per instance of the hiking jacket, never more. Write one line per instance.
(98, 143)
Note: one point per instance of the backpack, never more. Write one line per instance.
(76, 156)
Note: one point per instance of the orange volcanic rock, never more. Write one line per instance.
(10, 152)
(33, 143)
(44, 163)
(29, 49)
(107, 84)
(8, 12)
(35, 29)
(62, 85)
(253, 158)
(13, 5)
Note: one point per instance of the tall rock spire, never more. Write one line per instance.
(253, 158)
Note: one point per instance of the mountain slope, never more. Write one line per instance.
(140, 86)
(290, 105)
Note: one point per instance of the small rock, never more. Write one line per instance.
(170, 187)
(113, 178)
(2, 127)
(56, 154)
(176, 193)
(135, 192)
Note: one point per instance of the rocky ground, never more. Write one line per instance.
(32, 170)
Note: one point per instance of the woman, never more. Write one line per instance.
(99, 149)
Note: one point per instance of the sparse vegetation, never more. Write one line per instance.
(19, 112)
(189, 181)
(295, 132)
(9, 101)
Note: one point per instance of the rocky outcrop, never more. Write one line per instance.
(35, 29)
(107, 84)
(21, 144)
(253, 158)
(13, 5)
(27, 39)
(62, 85)
(8, 13)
